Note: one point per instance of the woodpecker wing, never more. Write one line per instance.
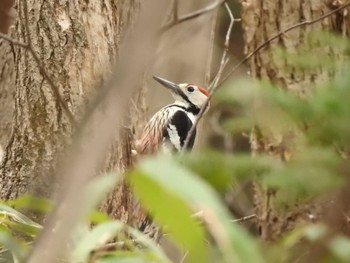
(152, 134)
(177, 130)
(170, 125)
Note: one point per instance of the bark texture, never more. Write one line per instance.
(261, 20)
(76, 42)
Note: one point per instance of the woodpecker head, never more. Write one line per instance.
(193, 95)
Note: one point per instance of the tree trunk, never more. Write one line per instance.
(260, 21)
(76, 43)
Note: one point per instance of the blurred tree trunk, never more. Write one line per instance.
(6, 14)
(76, 41)
(260, 21)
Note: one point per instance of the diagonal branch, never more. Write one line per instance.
(243, 219)
(249, 56)
(180, 19)
(208, 73)
(224, 58)
(13, 41)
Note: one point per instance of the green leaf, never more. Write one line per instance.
(340, 246)
(93, 193)
(97, 189)
(98, 236)
(296, 179)
(16, 221)
(27, 229)
(148, 243)
(17, 250)
(227, 168)
(289, 242)
(143, 256)
(124, 258)
(172, 212)
(17, 216)
(239, 124)
(97, 217)
(166, 188)
(31, 202)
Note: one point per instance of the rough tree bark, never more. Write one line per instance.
(76, 42)
(261, 20)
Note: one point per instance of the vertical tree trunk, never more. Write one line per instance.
(261, 20)
(76, 42)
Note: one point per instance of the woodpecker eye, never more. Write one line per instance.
(190, 88)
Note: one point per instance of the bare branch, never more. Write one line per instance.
(208, 72)
(201, 216)
(178, 20)
(224, 58)
(212, 86)
(13, 41)
(243, 219)
(249, 56)
(28, 46)
(117, 245)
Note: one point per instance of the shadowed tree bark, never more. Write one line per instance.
(6, 14)
(76, 42)
(261, 20)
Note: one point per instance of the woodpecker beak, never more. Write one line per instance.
(170, 85)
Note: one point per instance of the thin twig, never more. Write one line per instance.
(29, 47)
(243, 219)
(223, 63)
(211, 49)
(224, 58)
(116, 245)
(13, 41)
(250, 55)
(201, 216)
(178, 20)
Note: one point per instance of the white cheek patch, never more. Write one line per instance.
(198, 98)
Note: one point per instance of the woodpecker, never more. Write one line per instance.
(167, 130)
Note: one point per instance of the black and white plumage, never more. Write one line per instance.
(168, 128)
